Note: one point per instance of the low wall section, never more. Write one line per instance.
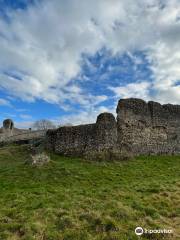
(79, 140)
(23, 136)
(141, 128)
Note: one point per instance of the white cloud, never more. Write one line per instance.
(137, 90)
(165, 64)
(41, 48)
(4, 102)
(80, 117)
(83, 117)
(25, 116)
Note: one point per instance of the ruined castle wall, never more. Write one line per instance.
(79, 140)
(148, 128)
(70, 140)
(141, 128)
(23, 135)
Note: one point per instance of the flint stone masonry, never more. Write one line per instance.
(8, 124)
(79, 140)
(148, 128)
(141, 128)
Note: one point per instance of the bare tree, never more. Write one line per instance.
(43, 124)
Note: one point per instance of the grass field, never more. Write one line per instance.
(72, 199)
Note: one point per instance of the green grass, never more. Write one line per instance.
(72, 199)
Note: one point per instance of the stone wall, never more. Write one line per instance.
(19, 137)
(29, 135)
(8, 133)
(141, 128)
(148, 128)
(84, 139)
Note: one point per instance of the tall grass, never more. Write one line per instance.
(74, 199)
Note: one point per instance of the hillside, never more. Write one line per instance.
(72, 199)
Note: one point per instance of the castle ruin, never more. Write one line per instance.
(10, 134)
(141, 128)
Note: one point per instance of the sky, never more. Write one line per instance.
(69, 60)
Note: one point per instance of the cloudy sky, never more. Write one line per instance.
(69, 60)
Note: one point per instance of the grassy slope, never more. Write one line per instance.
(74, 199)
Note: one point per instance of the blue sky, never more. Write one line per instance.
(68, 61)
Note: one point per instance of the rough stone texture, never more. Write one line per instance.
(38, 159)
(8, 124)
(105, 131)
(148, 128)
(141, 128)
(83, 139)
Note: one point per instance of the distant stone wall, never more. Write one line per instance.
(22, 136)
(8, 133)
(148, 128)
(141, 128)
(29, 135)
(79, 140)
